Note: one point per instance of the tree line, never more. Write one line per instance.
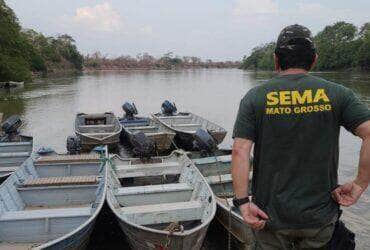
(24, 53)
(97, 61)
(341, 46)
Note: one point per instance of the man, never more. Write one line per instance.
(293, 121)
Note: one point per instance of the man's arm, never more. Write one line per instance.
(349, 193)
(240, 166)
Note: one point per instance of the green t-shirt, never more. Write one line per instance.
(294, 121)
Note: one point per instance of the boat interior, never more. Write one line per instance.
(160, 193)
(217, 171)
(188, 122)
(149, 128)
(14, 153)
(49, 197)
(97, 125)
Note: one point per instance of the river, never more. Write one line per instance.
(48, 106)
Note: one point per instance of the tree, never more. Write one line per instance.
(363, 54)
(260, 58)
(340, 46)
(336, 45)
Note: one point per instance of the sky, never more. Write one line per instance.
(210, 29)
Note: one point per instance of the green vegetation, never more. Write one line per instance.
(24, 52)
(340, 46)
(97, 61)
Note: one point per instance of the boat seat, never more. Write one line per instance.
(163, 213)
(225, 178)
(187, 125)
(173, 187)
(154, 169)
(58, 181)
(153, 194)
(109, 126)
(8, 169)
(85, 211)
(99, 134)
(218, 179)
(176, 116)
(142, 128)
(14, 154)
(82, 158)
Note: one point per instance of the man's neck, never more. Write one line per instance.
(292, 71)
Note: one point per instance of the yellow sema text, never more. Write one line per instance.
(297, 102)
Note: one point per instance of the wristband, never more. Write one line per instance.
(238, 202)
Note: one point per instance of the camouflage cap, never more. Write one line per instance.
(294, 37)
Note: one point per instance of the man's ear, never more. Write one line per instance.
(314, 61)
(277, 64)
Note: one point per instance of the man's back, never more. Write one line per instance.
(294, 121)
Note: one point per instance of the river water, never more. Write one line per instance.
(49, 106)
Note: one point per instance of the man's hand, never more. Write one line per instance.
(348, 194)
(253, 215)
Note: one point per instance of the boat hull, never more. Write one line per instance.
(234, 224)
(89, 143)
(186, 140)
(79, 240)
(163, 141)
(217, 170)
(141, 239)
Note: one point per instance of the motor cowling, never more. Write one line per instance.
(74, 145)
(204, 142)
(143, 146)
(12, 124)
(168, 108)
(130, 110)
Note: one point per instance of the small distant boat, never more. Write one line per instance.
(186, 125)
(217, 171)
(97, 129)
(52, 202)
(132, 125)
(160, 203)
(13, 153)
(10, 84)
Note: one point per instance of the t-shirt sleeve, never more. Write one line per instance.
(245, 124)
(354, 111)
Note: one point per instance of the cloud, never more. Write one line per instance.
(310, 8)
(101, 17)
(252, 7)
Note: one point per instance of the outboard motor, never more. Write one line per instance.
(11, 125)
(204, 142)
(74, 145)
(130, 110)
(168, 108)
(143, 146)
